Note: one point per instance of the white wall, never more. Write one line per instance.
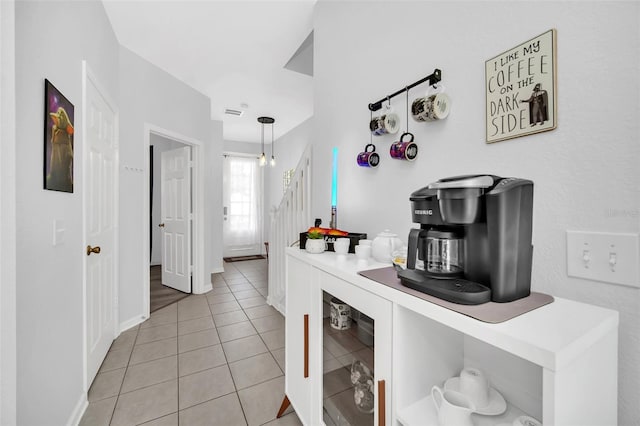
(52, 39)
(213, 198)
(150, 95)
(7, 215)
(583, 171)
(246, 147)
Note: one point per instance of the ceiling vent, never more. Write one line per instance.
(234, 112)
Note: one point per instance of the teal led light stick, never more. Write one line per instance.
(334, 190)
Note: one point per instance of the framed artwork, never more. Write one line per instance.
(521, 89)
(58, 140)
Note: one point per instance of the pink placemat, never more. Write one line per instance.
(490, 312)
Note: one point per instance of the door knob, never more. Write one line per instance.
(95, 250)
(161, 225)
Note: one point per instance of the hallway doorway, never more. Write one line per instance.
(191, 237)
(171, 249)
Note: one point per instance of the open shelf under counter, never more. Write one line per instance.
(423, 412)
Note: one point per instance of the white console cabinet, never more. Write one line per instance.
(318, 358)
(557, 363)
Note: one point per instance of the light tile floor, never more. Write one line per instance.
(212, 359)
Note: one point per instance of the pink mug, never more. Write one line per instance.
(404, 150)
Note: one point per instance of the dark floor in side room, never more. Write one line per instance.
(161, 295)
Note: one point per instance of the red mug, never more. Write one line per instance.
(404, 150)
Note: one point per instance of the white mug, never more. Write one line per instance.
(341, 245)
(391, 122)
(435, 105)
(387, 123)
(363, 252)
(475, 385)
(365, 243)
(454, 408)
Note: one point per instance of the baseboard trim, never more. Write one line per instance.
(278, 307)
(124, 326)
(206, 289)
(78, 410)
(218, 270)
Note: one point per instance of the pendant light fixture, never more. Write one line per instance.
(263, 121)
(273, 141)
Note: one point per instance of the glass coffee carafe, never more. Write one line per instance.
(445, 252)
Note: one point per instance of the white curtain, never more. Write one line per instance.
(242, 201)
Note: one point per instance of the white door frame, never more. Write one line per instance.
(87, 74)
(7, 214)
(197, 225)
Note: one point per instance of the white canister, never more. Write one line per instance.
(340, 314)
(384, 245)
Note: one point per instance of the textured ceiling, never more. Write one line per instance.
(232, 51)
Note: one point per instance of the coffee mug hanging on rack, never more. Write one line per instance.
(369, 158)
(404, 150)
(435, 105)
(387, 123)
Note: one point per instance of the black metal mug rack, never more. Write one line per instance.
(433, 79)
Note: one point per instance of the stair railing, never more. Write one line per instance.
(291, 217)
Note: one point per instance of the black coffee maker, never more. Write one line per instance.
(474, 240)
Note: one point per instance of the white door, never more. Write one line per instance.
(242, 206)
(300, 332)
(175, 189)
(101, 223)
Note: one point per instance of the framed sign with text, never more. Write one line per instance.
(521, 89)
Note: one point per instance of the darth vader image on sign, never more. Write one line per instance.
(538, 101)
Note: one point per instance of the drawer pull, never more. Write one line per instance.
(306, 346)
(381, 398)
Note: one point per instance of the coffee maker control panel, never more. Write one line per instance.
(506, 181)
(509, 183)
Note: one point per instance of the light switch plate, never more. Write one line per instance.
(601, 256)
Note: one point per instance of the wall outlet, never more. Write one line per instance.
(600, 256)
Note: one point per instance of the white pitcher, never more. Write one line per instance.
(384, 245)
(454, 408)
